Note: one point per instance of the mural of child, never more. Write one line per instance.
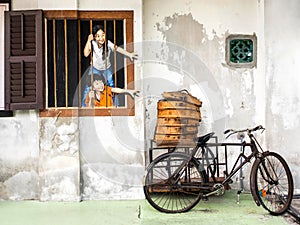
(101, 50)
(101, 95)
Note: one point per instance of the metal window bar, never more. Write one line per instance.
(115, 54)
(91, 55)
(105, 58)
(66, 62)
(115, 58)
(54, 62)
(79, 64)
(125, 61)
(46, 65)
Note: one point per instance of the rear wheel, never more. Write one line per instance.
(173, 183)
(272, 183)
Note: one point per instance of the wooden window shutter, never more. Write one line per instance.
(24, 60)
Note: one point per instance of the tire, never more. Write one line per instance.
(272, 183)
(168, 194)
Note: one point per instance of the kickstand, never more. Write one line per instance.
(238, 196)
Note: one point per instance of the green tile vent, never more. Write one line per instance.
(241, 50)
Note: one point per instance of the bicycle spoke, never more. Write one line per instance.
(168, 184)
(274, 184)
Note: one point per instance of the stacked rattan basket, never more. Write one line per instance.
(178, 117)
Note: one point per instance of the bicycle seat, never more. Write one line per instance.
(203, 139)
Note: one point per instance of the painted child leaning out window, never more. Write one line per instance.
(101, 95)
(101, 50)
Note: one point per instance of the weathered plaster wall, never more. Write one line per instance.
(190, 26)
(19, 156)
(187, 51)
(282, 35)
(112, 157)
(59, 163)
(69, 159)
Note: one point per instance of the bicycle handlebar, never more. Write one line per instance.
(259, 127)
(232, 131)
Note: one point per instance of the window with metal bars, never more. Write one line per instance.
(45, 64)
(67, 67)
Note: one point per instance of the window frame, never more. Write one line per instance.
(129, 109)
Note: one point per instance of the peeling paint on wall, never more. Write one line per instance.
(183, 30)
(190, 34)
(18, 158)
(59, 167)
(236, 85)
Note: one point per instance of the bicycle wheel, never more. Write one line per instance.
(173, 183)
(272, 183)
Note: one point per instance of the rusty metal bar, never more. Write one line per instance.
(115, 54)
(46, 65)
(54, 62)
(105, 55)
(91, 54)
(66, 61)
(79, 64)
(104, 47)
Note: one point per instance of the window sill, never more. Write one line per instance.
(82, 112)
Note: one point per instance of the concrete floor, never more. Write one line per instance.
(217, 210)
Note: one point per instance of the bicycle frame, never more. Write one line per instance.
(236, 167)
(255, 153)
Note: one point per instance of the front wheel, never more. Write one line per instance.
(173, 182)
(272, 183)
